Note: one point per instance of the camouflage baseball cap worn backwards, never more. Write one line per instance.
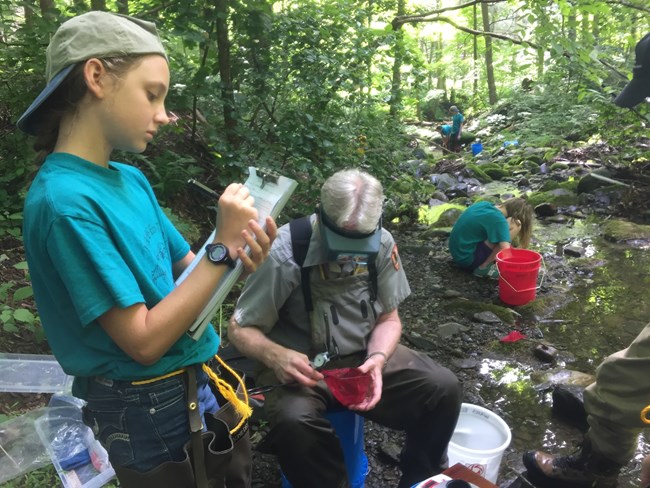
(91, 35)
(638, 89)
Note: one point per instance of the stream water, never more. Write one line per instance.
(602, 311)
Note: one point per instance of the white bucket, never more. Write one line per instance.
(479, 440)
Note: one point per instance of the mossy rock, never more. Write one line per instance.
(559, 166)
(560, 198)
(470, 308)
(497, 173)
(624, 231)
(529, 165)
(482, 176)
(571, 184)
(549, 185)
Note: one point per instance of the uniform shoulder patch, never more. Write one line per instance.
(394, 257)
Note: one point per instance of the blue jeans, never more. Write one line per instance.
(143, 426)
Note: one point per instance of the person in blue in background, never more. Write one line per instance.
(457, 120)
(444, 130)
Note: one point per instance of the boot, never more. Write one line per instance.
(584, 468)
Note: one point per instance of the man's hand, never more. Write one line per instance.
(292, 366)
(372, 366)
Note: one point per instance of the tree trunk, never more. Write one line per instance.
(123, 7)
(442, 76)
(29, 7)
(395, 89)
(227, 95)
(475, 57)
(489, 67)
(98, 5)
(46, 8)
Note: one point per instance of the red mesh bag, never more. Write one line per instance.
(348, 385)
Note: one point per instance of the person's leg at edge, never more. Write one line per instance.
(308, 450)
(613, 404)
(423, 399)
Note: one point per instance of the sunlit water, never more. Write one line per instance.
(603, 311)
(605, 305)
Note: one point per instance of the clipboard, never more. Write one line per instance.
(271, 192)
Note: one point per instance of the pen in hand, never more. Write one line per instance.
(201, 188)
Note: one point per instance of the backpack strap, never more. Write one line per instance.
(300, 236)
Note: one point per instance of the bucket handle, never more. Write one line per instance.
(541, 282)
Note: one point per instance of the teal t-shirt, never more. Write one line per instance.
(478, 223)
(96, 238)
(456, 121)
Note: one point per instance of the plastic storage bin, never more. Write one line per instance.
(32, 373)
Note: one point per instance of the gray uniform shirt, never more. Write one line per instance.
(272, 298)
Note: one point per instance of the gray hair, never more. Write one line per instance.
(352, 199)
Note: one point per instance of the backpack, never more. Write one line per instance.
(301, 231)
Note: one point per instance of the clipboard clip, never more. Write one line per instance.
(267, 176)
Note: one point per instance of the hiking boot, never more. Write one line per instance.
(584, 468)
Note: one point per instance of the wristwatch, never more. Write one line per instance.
(219, 254)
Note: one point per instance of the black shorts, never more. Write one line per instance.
(481, 253)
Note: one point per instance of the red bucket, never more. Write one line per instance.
(518, 271)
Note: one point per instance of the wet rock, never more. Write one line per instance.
(487, 318)
(467, 363)
(438, 195)
(451, 294)
(624, 231)
(545, 352)
(556, 219)
(448, 218)
(390, 452)
(589, 182)
(450, 329)
(568, 405)
(574, 250)
(545, 210)
(420, 342)
(562, 377)
(523, 182)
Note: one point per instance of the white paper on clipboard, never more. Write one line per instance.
(271, 192)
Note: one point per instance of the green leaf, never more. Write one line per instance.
(10, 327)
(24, 315)
(22, 293)
(21, 265)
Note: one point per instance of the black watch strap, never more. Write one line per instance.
(218, 253)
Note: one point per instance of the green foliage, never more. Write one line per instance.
(13, 312)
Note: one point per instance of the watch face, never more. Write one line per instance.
(218, 252)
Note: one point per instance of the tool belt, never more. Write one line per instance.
(217, 457)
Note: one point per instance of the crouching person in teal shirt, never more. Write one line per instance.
(484, 229)
(103, 257)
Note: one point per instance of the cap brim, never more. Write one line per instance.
(634, 93)
(368, 245)
(27, 121)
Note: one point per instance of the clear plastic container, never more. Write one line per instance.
(66, 437)
(32, 373)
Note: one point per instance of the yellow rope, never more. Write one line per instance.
(644, 415)
(158, 378)
(230, 393)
